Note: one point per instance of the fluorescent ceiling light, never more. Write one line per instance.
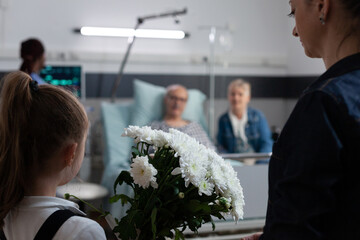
(129, 32)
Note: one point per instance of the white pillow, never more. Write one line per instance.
(149, 104)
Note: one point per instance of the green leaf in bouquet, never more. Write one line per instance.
(153, 220)
(124, 176)
(205, 208)
(135, 216)
(194, 224)
(193, 205)
(165, 232)
(124, 199)
(183, 227)
(165, 159)
(212, 224)
(218, 215)
(104, 215)
(176, 190)
(174, 207)
(139, 218)
(165, 215)
(125, 229)
(114, 198)
(142, 198)
(208, 218)
(135, 151)
(197, 206)
(219, 208)
(151, 204)
(179, 235)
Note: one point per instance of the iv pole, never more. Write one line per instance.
(131, 40)
(212, 37)
(213, 34)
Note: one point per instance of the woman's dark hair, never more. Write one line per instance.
(36, 122)
(352, 7)
(31, 50)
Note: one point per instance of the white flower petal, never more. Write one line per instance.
(176, 171)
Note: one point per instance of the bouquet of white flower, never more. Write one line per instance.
(182, 184)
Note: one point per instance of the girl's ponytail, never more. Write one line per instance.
(15, 104)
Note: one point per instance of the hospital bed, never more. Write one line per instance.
(117, 149)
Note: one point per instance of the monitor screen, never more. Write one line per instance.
(69, 77)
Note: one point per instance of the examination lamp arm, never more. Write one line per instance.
(131, 42)
(167, 14)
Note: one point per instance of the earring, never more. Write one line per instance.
(322, 19)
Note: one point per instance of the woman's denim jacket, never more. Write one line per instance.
(256, 130)
(314, 179)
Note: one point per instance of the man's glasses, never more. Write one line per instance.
(174, 98)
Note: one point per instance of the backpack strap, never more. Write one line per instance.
(52, 224)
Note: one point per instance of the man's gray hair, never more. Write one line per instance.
(240, 83)
(172, 87)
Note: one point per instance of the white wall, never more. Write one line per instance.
(258, 30)
(53, 22)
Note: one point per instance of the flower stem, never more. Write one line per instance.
(190, 189)
(67, 196)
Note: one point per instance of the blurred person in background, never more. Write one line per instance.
(243, 129)
(175, 102)
(32, 53)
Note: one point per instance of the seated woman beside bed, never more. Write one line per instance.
(175, 102)
(243, 129)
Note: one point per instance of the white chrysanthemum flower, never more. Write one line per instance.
(235, 192)
(160, 138)
(227, 183)
(216, 172)
(146, 134)
(237, 209)
(206, 187)
(193, 157)
(131, 131)
(143, 172)
(232, 182)
(195, 171)
(141, 134)
(219, 178)
(191, 171)
(181, 142)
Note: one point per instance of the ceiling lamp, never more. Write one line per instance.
(129, 32)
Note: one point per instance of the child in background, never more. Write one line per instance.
(43, 131)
